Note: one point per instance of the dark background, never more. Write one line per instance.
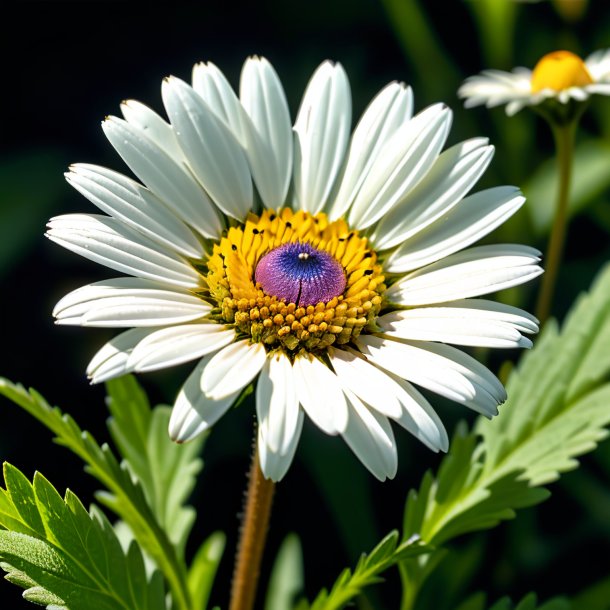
(67, 65)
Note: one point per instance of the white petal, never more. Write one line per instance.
(369, 435)
(401, 164)
(320, 394)
(455, 172)
(598, 65)
(365, 381)
(277, 405)
(128, 302)
(159, 131)
(321, 133)
(389, 110)
(273, 464)
(111, 243)
(134, 205)
(469, 273)
(439, 368)
(233, 368)
(263, 98)
(457, 325)
(111, 361)
(495, 87)
(193, 411)
(177, 344)
(164, 176)
(469, 221)
(214, 154)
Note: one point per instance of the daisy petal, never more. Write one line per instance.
(391, 108)
(128, 302)
(466, 223)
(320, 394)
(164, 176)
(214, 154)
(439, 368)
(369, 435)
(321, 133)
(470, 273)
(277, 405)
(233, 368)
(131, 203)
(178, 344)
(401, 164)
(273, 464)
(111, 361)
(111, 243)
(365, 381)
(455, 172)
(263, 98)
(193, 411)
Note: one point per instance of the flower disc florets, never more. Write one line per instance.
(295, 281)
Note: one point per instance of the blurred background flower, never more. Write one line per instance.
(66, 66)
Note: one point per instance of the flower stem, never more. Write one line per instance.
(253, 534)
(564, 144)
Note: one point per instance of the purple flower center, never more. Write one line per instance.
(300, 274)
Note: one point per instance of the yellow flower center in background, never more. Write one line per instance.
(560, 70)
(241, 301)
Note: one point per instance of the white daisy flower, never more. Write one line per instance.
(560, 76)
(331, 271)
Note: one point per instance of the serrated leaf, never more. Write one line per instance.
(125, 495)
(286, 582)
(203, 569)
(74, 560)
(166, 470)
(557, 410)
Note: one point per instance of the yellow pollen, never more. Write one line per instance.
(242, 303)
(560, 70)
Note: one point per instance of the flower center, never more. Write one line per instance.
(294, 281)
(560, 70)
(299, 273)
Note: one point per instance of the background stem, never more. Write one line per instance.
(564, 143)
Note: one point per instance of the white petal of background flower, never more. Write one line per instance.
(320, 394)
(277, 404)
(111, 243)
(233, 368)
(193, 411)
(264, 100)
(214, 153)
(369, 435)
(321, 133)
(128, 302)
(164, 176)
(455, 172)
(177, 344)
(469, 273)
(470, 220)
(389, 110)
(133, 204)
(402, 163)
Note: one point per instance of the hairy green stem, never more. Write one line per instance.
(564, 143)
(252, 539)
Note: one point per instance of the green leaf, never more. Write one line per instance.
(125, 495)
(204, 567)
(287, 581)
(367, 572)
(74, 560)
(530, 602)
(167, 471)
(557, 410)
(590, 179)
